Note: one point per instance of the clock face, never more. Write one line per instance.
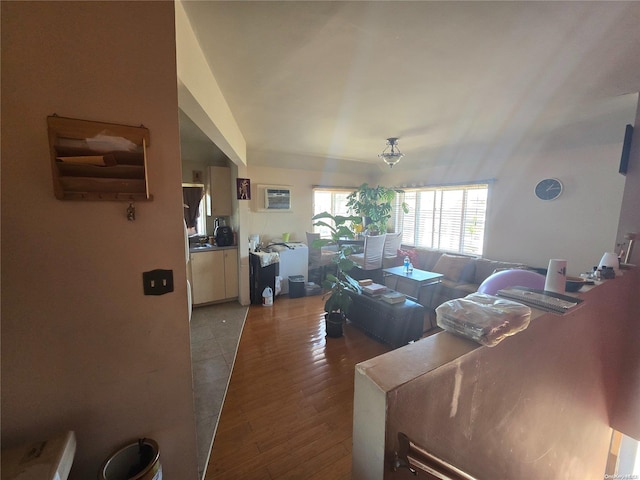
(548, 189)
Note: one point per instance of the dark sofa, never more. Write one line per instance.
(462, 274)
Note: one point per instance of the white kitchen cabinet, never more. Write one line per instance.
(214, 275)
(220, 180)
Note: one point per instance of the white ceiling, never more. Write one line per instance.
(335, 79)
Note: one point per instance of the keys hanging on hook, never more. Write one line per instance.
(131, 212)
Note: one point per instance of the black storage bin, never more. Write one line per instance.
(311, 289)
(261, 277)
(296, 286)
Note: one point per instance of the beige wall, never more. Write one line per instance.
(581, 147)
(271, 225)
(200, 96)
(627, 417)
(630, 214)
(82, 347)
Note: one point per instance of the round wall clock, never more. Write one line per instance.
(548, 189)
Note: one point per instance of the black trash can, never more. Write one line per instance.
(296, 286)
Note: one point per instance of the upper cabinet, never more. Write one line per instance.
(220, 180)
(98, 161)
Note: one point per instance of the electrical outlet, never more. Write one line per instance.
(157, 282)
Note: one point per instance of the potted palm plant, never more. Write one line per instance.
(337, 287)
(373, 205)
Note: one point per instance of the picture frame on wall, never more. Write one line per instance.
(243, 188)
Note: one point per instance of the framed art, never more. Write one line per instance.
(243, 188)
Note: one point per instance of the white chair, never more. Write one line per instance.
(319, 258)
(372, 252)
(392, 243)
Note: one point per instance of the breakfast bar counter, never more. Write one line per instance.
(540, 404)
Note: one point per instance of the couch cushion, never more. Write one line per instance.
(484, 268)
(448, 284)
(468, 272)
(428, 258)
(433, 296)
(451, 266)
(443, 291)
(467, 288)
(389, 262)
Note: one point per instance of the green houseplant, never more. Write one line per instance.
(373, 205)
(337, 287)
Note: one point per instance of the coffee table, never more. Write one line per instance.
(413, 280)
(412, 283)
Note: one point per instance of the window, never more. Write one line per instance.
(193, 197)
(448, 218)
(332, 200)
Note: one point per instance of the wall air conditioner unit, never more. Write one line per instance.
(277, 198)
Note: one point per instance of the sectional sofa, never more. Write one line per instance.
(462, 274)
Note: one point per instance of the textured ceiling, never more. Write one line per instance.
(335, 79)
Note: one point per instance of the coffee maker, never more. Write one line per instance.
(222, 233)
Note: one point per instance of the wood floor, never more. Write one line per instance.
(288, 411)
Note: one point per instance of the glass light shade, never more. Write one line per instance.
(392, 156)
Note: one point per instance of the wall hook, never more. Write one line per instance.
(131, 212)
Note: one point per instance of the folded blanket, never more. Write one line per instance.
(483, 318)
(267, 258)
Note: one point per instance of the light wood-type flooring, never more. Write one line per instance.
(288, 411)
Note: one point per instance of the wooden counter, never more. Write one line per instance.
(537, 405)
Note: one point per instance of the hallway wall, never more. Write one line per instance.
(82, 348)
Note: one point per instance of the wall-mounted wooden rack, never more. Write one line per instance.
(98, 161)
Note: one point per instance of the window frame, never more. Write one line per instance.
(203, 209)
(333, 191)
(468, 242)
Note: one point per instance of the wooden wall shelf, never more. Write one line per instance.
(97, 160)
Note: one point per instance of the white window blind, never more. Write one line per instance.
(448, 218)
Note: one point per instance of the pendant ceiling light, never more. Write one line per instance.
(391, 154)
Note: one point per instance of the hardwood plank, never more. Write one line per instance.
(288, 412)
(303, 465)
(339, 470)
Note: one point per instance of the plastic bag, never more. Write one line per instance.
(483, 318)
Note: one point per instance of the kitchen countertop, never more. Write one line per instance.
(207, 247)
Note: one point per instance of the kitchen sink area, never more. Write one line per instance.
(203, 246)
